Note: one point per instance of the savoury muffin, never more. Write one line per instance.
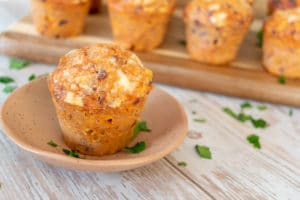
(99, 92)
(95, 6)
(281, 46)
(59, 18)
(215, 29)
(282, 5)
(140, 25)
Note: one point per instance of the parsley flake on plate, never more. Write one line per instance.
(254, 140)
(31, 77)
(281, 80)
(230, 112)
(259, 123)
(260, 37)
(6, 79)
(194, 112)
(137, 148)
(71, 153)
(182, 164)
(18, 63)
(262, 107)
(9, 88)
(245, 105)
(200, 120)
(51, 143)
(140, 127)
(203, 151)
(291, 112)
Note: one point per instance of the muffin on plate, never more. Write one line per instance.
(281, 46)
(140, 25)
(215, 29)
(59, 18)
(95, 6)
(99, 92)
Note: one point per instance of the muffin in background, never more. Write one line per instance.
(281, 46)
(99, 92)
(95, 6)
(59, 18)
(140, 25)
(215, 29)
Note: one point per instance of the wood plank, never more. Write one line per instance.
(237, 170)
(24, 177)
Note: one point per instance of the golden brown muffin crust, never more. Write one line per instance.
(100, 76)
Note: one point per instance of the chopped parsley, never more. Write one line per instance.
(291, 112)
(182, 42)
(51, 143)
(242, 117)
(260, 37)
(137, 148)
(140, 127)
(182, 164)
(194, 112)
(71, 153)
(6, 79)
(245, 105)
(199, 120)
(254, 140)
(203, 151)
(31, 77)
(281, 80)
(9, 88)
(18, 63)
(262, 107)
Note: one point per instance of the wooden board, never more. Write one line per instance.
(245, 77)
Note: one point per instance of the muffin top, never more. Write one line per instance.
(219, 13)
(284, 24)
(66, 1)
(99, 76)
(138, 6)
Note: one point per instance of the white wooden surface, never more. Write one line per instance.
(237, 170)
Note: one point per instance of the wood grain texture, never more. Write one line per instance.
(245, 77)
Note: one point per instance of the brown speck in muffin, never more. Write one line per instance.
(138, 10)
(62, 22)
(89, 131)
(102, 74)
(109, 120)
(136, 101)
(273, 32)
(293, 32)
(281, 69)
(57, 36)
(101, 100)
(197, 23)
(215, 41)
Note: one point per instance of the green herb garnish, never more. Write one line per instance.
(281, 80)
(262, 107)
(260, 38)
(230, 112)
(140, 127)
(203, 151)
(245, 105)
(9, 88)
(31, 77)
(137, 148)
(243, 117)
(291, 112)
(51, 143)
(254, 140)
(6, 79)
(200, 120)
(194, 112)
(182, 42)
(71, 153)
(259, 123)
(18, 63)
(182, 164)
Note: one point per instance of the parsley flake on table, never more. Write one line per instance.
(194, 112)
(281, 80)
(137, 148)
(9, 88)
(259, 123)
(200, 120)
(245, 105)
(6, 79)
(31, 77)
(182, 42)
(182, 164)
(51, 143)
(260, 37)
(18, 63)
(140, 127)
(230, 112)
(291, 112)
(262, 107)
(71, 153)
(254, 140)
(203, 151)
